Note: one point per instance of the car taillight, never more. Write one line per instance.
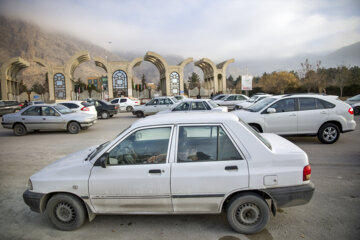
(85, 109)
(351, 111)
(137, 102)
(306, 173)
(116, 107)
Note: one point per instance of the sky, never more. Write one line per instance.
(214, 29)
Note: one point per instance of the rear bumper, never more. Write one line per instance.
(292, 196)
(350, 126)
(33, 199)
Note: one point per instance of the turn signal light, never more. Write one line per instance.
(306, 173)
(351, 111)
(85, 109)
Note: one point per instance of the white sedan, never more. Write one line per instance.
(176, 164)
(196, 105)
(125, 103)
(81, 107)
(231, 100)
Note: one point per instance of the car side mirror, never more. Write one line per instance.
(271, 110)
(104, 159)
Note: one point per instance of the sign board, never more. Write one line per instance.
(36, 97)
(181, 92)
(246, 82)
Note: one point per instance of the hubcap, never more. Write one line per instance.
(73, 128)
(330, 134)
(104, 115)
(65, 212)
(248, 214)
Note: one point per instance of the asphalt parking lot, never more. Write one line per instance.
(333, 213)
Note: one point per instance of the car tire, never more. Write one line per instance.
(248, 213)
(105, 115)
(66, 212)
(73, 128)
(357, 111)
(20, 130)
(129, 108)
(328, 133)
(139, 114)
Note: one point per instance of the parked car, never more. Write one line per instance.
(255, 98)
(9, 107)
(196, 105)
(35, 102)
(355, 103)
(231, 100)
(176, 164)
(48, 117)
(81, 106)
(155, 105)
(104, 109)
(126, 103)
(301, 114)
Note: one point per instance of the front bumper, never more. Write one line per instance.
(87, 124)
(7, 125)
(33, 199)
(291, 196)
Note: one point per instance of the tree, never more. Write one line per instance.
(24, 88)
(194, 81)
(143, 82)
(39, 89)
(308, 75)
(230, 82)
(277, 82)
(90, 88)
(342, 78)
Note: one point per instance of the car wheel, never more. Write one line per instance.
(328, 133)
(357, 111)
(66, 212)
(105, 115)
(139, 114)
(129, 108)
(74, 128)
(248, 213)
(19, 130)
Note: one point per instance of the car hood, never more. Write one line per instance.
(69, 161)
(246, 116)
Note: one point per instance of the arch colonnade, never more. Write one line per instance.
(119, 75)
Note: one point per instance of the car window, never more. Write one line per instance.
(231, 98)
(114, 101)
(327, 104)
(2, 104)
(70, 105)
(174, 100)
(240, 97)
(164, 101)
(307, 104)
(213, 104)
(153, 102)
(284, 105)
(197, 106)
(355, 98)
(86, 104)
(62, 109)
(123, 100)
(182, 107)
(33, 111)
(205, 143)
(260, 105)
(207, 105)
(146, 146)
(48, 111)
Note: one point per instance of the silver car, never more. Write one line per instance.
(231, 100)
(196, 105)
(155, 105)
(355, 103)
(47, 117)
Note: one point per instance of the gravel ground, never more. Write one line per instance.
(333, 213)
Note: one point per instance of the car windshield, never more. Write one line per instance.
(260, 104)
(174, 100)
(355, 98)
(213, 104)
(62, 109)
(219, 97)
(253, 99)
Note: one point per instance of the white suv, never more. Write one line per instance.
(176, 164)
(301, 114)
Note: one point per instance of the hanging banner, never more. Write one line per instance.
(246, 82)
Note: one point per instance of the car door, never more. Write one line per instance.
(207, 166)
(312, 114)
(51, 119)
(137, 175)
(284, 120)
(32, 118)
(164, 104)
(151, 107)
(123, 103)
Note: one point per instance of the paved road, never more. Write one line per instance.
(333, 213)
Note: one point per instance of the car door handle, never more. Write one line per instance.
(23, 118)
(292, 115)
(152, 171)
(44, 118)
(323, 112)
(231, 168)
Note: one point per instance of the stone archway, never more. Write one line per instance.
(8, 72)
(163, 68)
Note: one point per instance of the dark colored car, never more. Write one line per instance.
(9, 107)
(104, 109)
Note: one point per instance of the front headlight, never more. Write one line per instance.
(29, 185)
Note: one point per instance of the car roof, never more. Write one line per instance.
(197, 100)
(72, 102)
(306, 95)
(184, 118)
